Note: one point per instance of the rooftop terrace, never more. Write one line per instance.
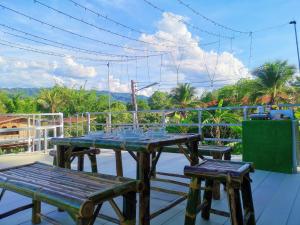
(276, 195)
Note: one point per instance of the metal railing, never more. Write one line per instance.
(90, 120)
(31, 131)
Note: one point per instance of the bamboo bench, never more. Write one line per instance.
(79, 153)
(237, 178)
(80, 194)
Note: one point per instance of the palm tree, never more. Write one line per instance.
(51, 99)
(183, 96)
(272, 81)
(217, 117)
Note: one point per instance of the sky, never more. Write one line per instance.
(90, 42)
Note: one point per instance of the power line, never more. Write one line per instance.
(76, 34)
(28, 48)
(98, 27)
(97, 13)
(186, 22)
(210, 20)
(68, 47)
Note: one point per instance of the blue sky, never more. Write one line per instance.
(189, 59)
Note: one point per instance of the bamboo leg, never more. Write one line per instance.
(83, 221)
(193, 148)
(138, 166)
(119, 164)
(129, 208)
(192, 201)
(54, 161)
(248, 201)
(60, 156)
(153, 165)
(144, 204)
(216, 185)
(227, 156)
(80, 163)
(207, 199)
(93, 160)
(235, 207)
(36, 210)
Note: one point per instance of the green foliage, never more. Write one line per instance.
(160, 100)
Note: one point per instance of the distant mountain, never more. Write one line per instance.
(124, 97)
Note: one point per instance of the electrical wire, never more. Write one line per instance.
(210, 20)
(28, 48)
(76, 34)
(88, 51)
(186, 22)
(100, 28)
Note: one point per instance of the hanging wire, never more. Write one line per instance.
(185, 22)
(211, 20)
(65, 46)
(98, 27)
(73, 33)
(51, 53)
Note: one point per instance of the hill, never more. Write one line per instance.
(123, 97)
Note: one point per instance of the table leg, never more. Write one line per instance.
(193, 148)
(60, 156)
(144, 204)
(119, 165)
(216, 185)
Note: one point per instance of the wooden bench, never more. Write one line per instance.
(78, 153)
(80, 194)
(237, 178)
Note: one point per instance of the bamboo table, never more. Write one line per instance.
(141, 150)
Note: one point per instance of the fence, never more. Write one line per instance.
(31, 131)
(163, 118)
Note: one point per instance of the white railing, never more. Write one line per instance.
(31, 131)
(89, 123)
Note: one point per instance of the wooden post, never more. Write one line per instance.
(248, 201)
(144, 170)
(36, 210)
(80, 163)
(207, 199)
(192, 201)
(129, 208)
(60, 156)
(119, 164)
(193, 147)
(235, 207)
(216, 182)
(93, 160)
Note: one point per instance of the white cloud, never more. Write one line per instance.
(70, 68)
(194, 62)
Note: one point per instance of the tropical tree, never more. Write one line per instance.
(160, 100)
(52, 99)
(183, 95)
(219, 116)
(272, 81)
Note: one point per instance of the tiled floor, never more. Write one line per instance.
(276, 196)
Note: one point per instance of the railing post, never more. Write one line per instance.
(77, 124)
(245, 113)
(88, 115)
(39, 131)
(200, 121)
(45, 139)
(29, 149)
(163, 121)
(61, 130)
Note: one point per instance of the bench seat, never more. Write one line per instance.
(80, 194)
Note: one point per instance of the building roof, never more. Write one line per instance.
(6, 119)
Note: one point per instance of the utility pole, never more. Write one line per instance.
(296, 37)
(134, 103)
(109, 98)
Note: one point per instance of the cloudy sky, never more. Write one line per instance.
(71, 42)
